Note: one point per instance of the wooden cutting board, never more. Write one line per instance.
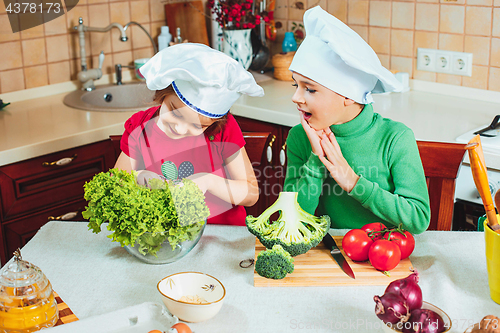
(317, 268)
(65, 314)
(189, 16)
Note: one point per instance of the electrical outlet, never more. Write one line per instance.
(426, 60)
(441, 61)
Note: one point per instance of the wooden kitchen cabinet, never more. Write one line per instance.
(44, 188)
(271, 176)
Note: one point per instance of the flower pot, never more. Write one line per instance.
(237, 45)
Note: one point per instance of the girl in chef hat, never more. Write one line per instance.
(191, 134)
(343, 159)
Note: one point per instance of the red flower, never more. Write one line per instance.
(236, 14)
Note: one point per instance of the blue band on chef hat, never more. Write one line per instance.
(195, 108)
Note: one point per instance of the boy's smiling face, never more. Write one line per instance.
(320, 106)
(179, 121)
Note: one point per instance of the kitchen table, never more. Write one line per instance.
(94, 275)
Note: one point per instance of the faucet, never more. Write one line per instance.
(87, 76)
(147, 33)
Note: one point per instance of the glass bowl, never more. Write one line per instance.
(165, 254)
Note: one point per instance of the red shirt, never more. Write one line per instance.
(145, 142)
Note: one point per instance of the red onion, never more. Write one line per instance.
(424, 321)
(391, 308)
(409, 289)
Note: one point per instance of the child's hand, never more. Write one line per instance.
(313, 136)
(335, 162)
(203, 180)
(143, 177)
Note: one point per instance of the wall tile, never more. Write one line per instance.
(423, 75)
(158, 10)
(119, 12)
(358, 12)
(478, 21)
(57, 48)
(294, 12)
(59, 72)
(427, 17)
(146, 52)
(425, 40)
(480, 2)
(13, 80)
(379, 39)
(34, 51)
(99, 41)
(380, 13)
(6, 34)
(429, 1)
(73, 15)
(139, 11)
(496, 3)
(453, 2)
(402, 43)
(91, 2)
(280, 10)
(495, 52)
(449, 79)
(385, 60)
(403, 14)
(452, 19)
(451, 42)
(56, 26)
(124, 58)
(35, 32)
(496, 22)
(480, 49)
(493, 83)
(479, 78)
(139, 38)
(361, 30)
(2, 7)
(36, 76)
(11, 55)
(402, 64)
(338, 9)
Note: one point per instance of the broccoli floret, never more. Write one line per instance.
(274, 263)
(295, 230)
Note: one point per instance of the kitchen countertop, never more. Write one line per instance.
(94, 275)
(42, 125)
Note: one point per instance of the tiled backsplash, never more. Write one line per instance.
(395, 29)
(49, 53)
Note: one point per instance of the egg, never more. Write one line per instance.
(180, 328)
(155, 331)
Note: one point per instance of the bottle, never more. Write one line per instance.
(164, 38)
(289, 44)
(178, 38)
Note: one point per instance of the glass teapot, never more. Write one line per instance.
(27, 302)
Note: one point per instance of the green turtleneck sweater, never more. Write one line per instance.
(391, 188)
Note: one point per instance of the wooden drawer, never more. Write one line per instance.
(38, 184)
(19, 231)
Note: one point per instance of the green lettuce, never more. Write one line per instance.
(168, 210)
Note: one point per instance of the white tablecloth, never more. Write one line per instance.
(94, 275)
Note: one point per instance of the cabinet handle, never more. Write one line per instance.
(61, 162)
(269, 151)
(64, 217)
(283, 155)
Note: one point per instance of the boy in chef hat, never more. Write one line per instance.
(343, 159)
(191, 134)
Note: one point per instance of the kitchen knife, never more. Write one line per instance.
(337, 255)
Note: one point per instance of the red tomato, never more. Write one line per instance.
(384, 255)
(356, 244)
(406, 244)
(375, 226)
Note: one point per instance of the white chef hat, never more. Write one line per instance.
(335, 56)
(206, 80)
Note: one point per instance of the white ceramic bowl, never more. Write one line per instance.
(429, 306)
(206, 287)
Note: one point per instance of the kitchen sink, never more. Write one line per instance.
(112, 98)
